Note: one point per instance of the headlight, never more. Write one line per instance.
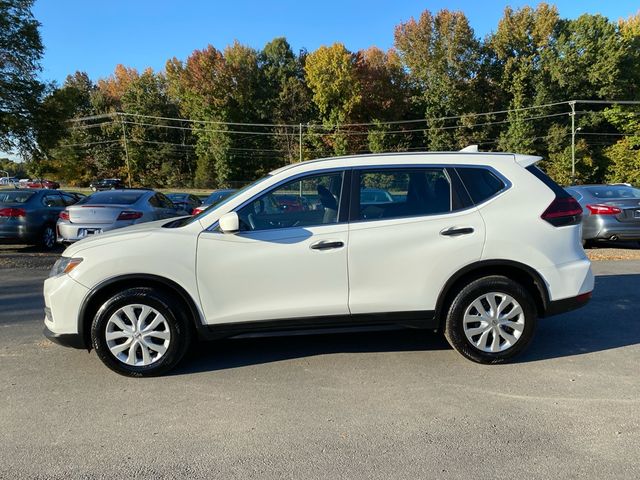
(64, 265)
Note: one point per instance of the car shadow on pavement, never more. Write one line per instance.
(611, 320)
(241, 352)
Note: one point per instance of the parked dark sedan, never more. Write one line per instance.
(185, 201)
(29, 215)
(216, 197)
(107, 184)
(610, 212)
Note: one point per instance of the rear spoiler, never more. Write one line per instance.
(526, 160)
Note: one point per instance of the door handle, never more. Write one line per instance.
(322, 245)
(456, 231)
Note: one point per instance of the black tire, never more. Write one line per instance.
(48, 237)
(179, 327)
(454, 328)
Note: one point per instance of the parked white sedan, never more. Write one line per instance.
(111, 209)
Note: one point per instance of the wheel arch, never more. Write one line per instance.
(523, 274)
(105, 289)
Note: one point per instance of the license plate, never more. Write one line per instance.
(85, 232)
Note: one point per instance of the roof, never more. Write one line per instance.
(411, 157)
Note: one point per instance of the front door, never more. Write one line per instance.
(289, 259)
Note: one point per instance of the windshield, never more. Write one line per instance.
(15, 196)
(613, 191)
(187, 220)
(111, 198)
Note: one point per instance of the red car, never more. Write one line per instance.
(41, 183)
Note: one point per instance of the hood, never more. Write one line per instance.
(120, 234)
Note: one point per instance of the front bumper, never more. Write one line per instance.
(63, 298)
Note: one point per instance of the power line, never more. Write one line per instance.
(296, 126)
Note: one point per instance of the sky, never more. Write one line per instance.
(95, 36)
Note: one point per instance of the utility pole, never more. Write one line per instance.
(300, 144)
(126, 151)
(572, 104)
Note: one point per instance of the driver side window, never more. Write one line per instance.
(304, 202)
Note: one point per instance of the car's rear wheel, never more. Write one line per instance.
(491, 320)
(48, 237)
(140, 332)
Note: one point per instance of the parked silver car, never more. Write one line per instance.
(610, 212)
(111, 209)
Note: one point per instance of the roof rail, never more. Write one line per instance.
(470, 149)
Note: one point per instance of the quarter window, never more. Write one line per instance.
(403, 193)
(306, 202)
(481, 183)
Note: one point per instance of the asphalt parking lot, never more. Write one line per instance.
(386, 404)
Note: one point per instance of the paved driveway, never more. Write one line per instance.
(394, 404)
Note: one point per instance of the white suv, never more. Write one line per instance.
(478, 245)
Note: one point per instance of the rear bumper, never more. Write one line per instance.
(567, 304)
(72, 340)
(18, 233)
(601, 227)
(72, 232)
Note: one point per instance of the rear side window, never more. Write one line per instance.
(544, 178)
(69, 199)
(53, 200)
(164, 201)
(481, 183)
(399, 193)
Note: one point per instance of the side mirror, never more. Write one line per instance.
(229, 222)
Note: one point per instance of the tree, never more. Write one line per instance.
(20, 90)
(442, 56)
(331, 74)
(624, 155)
(287, 98)
(517, 47)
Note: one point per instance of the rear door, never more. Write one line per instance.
(402, 252)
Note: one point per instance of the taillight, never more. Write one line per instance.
(64, 215)
(129, 215)
(197, 210)
(599, 209)
(563, 211)
(13, 212)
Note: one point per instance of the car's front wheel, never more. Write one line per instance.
(491, 320)
(140, 332)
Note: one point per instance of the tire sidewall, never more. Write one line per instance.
(454, 329)
(178, 328)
